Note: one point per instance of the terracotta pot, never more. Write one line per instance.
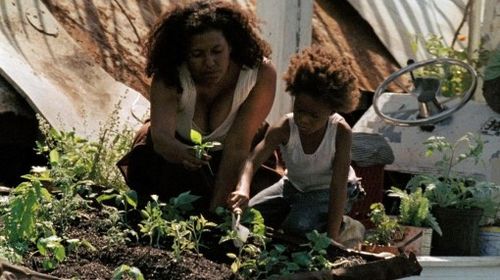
(416, 240)
(380, 249)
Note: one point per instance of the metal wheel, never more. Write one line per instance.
(433, 90)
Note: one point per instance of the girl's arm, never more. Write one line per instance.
(276, 135)
(163, 125)
(338, 185)
(237, 144)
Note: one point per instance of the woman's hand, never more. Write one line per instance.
(176, 152)
(238, 199)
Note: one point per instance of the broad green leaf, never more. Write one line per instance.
(104, 197)
(59, 253)
(131, 197)
(54, 157)
(301, 258)
(196, 137)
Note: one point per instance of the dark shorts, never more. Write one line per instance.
(284, 206)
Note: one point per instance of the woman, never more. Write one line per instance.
(209, 73)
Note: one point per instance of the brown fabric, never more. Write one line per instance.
(148, 173)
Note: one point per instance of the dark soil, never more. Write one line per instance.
(154, 263)
(160, 263)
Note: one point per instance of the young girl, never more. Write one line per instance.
(315, 143)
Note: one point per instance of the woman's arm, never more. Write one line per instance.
(276, 135)
(338, 185)
(237, 144)
(163, 125)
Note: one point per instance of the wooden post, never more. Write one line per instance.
(287, 26)
(474, 41)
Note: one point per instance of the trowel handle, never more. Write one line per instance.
(237, 216)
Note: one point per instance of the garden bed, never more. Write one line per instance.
(75, 218)
(157, 263)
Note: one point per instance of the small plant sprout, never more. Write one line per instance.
(125, 198)
(187, 234)
(153, 224)
(51, 248)
(201, 148)
(127, 272)
(386, 227)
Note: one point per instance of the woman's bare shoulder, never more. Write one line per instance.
(267, 70)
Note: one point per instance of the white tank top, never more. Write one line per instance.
(185, 113)
(308, 172)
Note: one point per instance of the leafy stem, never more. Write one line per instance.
(201, 148)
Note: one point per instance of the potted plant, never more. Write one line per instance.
(386, 230)
(458, 201)
(416, 220)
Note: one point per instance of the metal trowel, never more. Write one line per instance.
(242, 232)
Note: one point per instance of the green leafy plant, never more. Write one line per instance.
(24, 213)
(118, 231)
(315, 258)
(201, 148)
(51, 248)
(256, 262)
(415, 209)
(179, 206)
(8, 253)
(451, 189)
(153, 224)
(161, 220)
(186, 234)
(386, 228)
(123, 198)
(126, 272)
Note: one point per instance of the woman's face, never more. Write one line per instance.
(310, 115)
(208, 57)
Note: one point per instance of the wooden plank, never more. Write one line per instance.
(55, 76)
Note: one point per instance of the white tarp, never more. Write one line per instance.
(398, 22)
(57, 78)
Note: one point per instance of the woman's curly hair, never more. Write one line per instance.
(167, 43)
(319, 73)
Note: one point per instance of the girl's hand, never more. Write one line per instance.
(238, 199)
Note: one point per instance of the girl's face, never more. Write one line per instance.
(208, 57)
(310, 115)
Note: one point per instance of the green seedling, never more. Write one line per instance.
(201, 148)
(51, 248)
(127, 272)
